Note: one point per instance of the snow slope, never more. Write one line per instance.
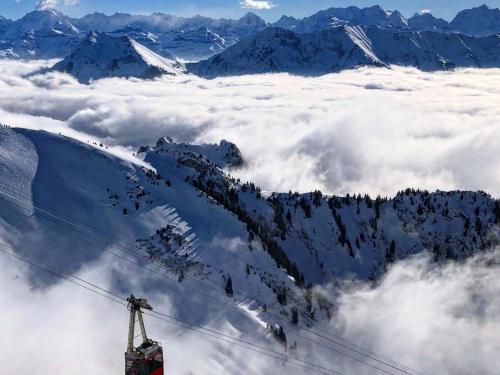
(346, 47)
(101, 55)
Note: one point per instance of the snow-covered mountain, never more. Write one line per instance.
(181, 209)
(39, 34)
(426, 21)
(479, 21)
(345, 47)
(39, 20)
(101, 55)
(372, 16)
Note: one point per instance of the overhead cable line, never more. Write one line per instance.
(79, 227)
(168, 318)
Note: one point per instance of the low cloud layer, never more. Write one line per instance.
(436, 319)
(371, 130)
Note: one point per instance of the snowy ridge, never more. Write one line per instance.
(372, 16)
(426, 21)
(101, 55)
(225, 154)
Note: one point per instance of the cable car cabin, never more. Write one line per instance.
(147, 359)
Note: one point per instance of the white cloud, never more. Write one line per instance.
(424, 11)
(52, 4)
(446, 314)
(256, 4)
(371, 130)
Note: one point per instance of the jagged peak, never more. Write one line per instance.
(224, 154)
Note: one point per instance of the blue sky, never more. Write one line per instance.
(233, 9)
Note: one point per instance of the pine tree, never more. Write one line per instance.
(390, 255)
(229, 287)
(295, 316)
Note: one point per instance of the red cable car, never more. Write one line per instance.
(146, 359)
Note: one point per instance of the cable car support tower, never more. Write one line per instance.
(146, 359)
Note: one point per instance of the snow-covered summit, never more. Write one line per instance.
(39, 34)
(101, 55)
(287, 22)
(49, 19)
(426, 21)
(371, 16)
(225, 154)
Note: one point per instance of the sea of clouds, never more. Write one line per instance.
(370, 130)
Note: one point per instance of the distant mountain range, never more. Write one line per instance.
(347, 47)
(51, 34)
(328, 41)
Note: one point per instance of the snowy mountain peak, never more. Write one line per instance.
(40, 20)
(426, 21)
(102, 55)
(251, 19)
(225, 154)
(371, 16)
(287, 22)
